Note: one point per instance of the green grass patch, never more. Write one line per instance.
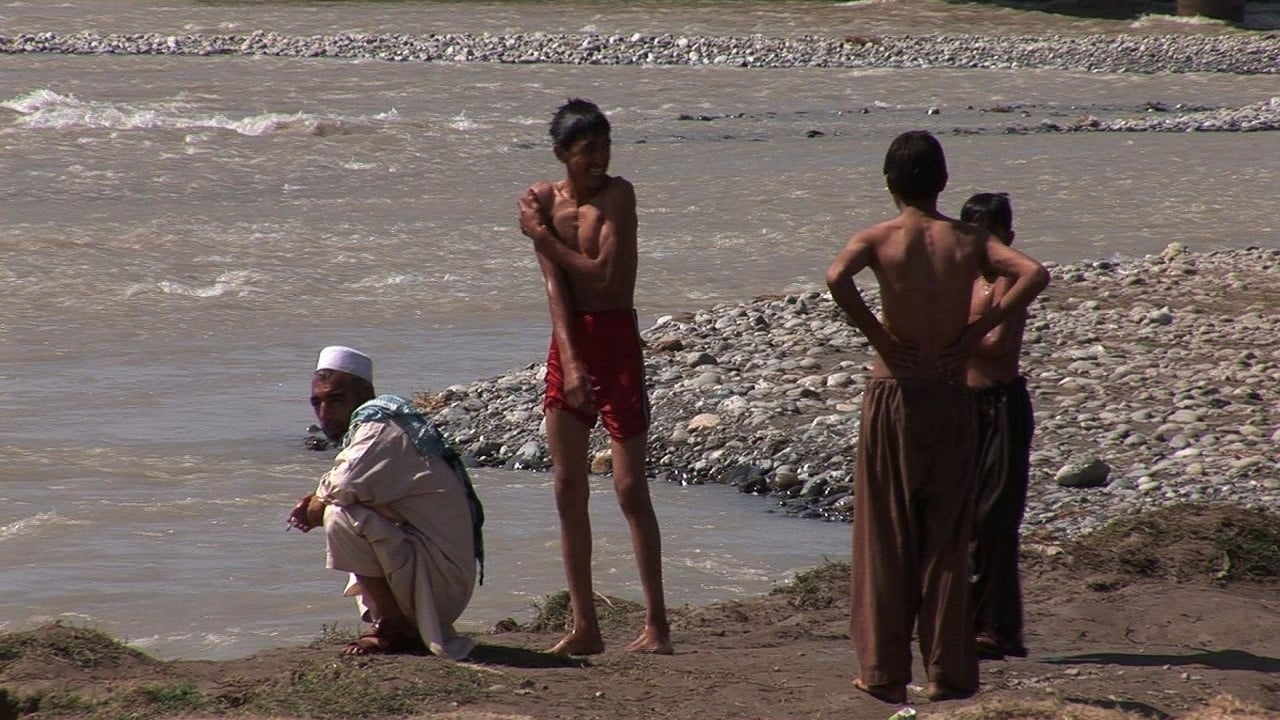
(51, 703)
(138, 703)
(66, 645)
(817, 588)
(1190, 541)
(360, 687)
(174, 699)
(554, 614)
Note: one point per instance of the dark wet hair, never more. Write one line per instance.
(915, 167)
(988, 210)
(575, 119)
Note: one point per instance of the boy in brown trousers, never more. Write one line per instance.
(915, 466)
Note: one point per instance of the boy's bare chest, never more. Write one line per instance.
(579, 226)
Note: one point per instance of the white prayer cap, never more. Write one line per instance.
(347, 360)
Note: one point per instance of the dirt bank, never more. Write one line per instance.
(1183, 637)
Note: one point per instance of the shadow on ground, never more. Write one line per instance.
(1217, 659)
(1128, 706)
(520, 657)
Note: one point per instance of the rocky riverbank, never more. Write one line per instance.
(1156, 381)
(1226, 53)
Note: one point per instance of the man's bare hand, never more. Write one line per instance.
(307, 514)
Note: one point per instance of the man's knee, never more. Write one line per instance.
(338, 520)
(343, 531)
(351, 548)
(349, 520)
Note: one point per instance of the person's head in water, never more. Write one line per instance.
(915, 168)
(581, 137)
(992, 212)
(342, 382)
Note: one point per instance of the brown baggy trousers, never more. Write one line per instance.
(1006, 422)
(913, 495)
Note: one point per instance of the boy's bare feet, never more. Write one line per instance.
(1015, 647)
(576, 643)
(889, 693)
(938, 693)
(991, 646)
(988, 647)
(652, 641)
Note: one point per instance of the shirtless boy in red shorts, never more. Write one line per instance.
(584, 231)
(914, 475)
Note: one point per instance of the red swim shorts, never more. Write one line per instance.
(609, 348)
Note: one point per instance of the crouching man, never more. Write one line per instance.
(398, 511)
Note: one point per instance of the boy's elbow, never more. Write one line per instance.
(1042, 277)
(835, 278)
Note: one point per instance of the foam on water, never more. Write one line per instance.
(28, 526)
(462, 122)
(199, 644)
(239, 283)
(386, 281)
(46, 109)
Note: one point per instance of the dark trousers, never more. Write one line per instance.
(1006, 422)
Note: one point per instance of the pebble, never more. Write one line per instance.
(1086, 474)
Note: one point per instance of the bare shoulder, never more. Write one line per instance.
(617, 200)
(620, 189)
(966, 235)
(875, 235)
(544, 190)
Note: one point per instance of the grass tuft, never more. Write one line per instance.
(365, 687)
(172, 699)
(817, 588)
(1190, 541)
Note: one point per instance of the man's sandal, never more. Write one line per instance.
(383, 640)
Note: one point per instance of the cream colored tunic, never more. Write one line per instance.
(392, 513)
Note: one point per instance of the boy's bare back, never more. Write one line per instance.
(926, 264)
(926, 267)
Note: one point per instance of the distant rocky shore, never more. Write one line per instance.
(1231, 53)
(1237, 53)
(1156, 381)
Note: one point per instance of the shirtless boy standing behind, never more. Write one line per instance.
(914, 474)
(1006, 422)
(584, 231)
